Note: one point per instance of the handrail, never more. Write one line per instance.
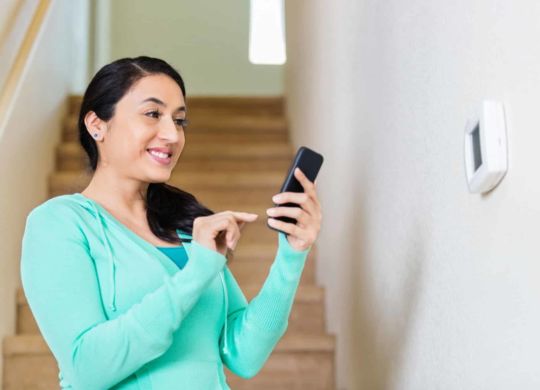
(14, 75)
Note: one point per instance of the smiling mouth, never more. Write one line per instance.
(162, 158)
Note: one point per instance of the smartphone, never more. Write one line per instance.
(309, 162)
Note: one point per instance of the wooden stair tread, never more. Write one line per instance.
(269, 104)
(234, 123)
(236, 156)
(229, 150)
(23, 344)
(202, 179)
(304, 293)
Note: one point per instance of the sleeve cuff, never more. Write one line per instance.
(288, 260)
(285, 247)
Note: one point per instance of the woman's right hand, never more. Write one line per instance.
(221, 231)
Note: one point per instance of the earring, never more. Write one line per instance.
(95, 134)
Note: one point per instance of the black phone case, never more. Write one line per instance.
(310, 163)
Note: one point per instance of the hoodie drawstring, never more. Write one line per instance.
(223, 285)
(110, 256)
(221, 275)
(113, 278)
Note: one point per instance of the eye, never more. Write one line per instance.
(183, 122)
(153, 114)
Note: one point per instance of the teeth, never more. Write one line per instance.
(159, 154)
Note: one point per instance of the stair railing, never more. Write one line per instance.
(15, 49)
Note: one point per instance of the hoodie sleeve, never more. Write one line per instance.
(61, 286)
(254, 329)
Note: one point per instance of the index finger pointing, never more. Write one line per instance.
(243, 216)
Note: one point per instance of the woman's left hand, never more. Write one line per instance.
(308, 216)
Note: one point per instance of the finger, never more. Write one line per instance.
(288, 228)
(240, 215)
(301, 216)
(300, 198)
(220, 228)
(229, 224)
(233, 234)
(242, 224)
(226, 230)
(293, 197)
(309, 187)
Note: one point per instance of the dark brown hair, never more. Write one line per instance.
(168, 208)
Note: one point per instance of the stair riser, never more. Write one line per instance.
(212, 134)
(207, 136)
(271, 105)
(291, 371)
(307, 317)
(236, 156)
(30, 372)
(257, 232)
(254, 273)
(225, 125)
(239, 184)
(241, 151)
(226, 195)
(197, 165)
(248, 193)
(205, 196)
(283, 370)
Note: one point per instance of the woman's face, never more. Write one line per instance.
(147, 117)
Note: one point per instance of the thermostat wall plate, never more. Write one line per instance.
(486, 160)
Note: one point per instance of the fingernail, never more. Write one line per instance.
(276, 198)
(270, 211)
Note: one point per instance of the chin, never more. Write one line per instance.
(153, 177)
(160, 178)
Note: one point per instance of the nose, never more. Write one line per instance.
(168, 130)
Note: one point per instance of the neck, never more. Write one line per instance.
(125, 195)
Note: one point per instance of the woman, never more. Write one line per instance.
(127, 280)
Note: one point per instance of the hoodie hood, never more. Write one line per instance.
(184, 237)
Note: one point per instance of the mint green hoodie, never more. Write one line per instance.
(117, 313)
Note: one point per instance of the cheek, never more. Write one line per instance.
(130, 146)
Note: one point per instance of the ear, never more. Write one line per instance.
(95, 126)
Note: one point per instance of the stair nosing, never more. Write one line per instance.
(25, 344)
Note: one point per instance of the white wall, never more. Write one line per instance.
(206, 40)
(28, 141)
(428, 286)
(9, 8)
(14, 21)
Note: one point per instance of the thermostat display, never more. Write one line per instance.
(486, 160)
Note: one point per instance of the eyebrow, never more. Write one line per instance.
(156, 100)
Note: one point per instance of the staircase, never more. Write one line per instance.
(236, 155)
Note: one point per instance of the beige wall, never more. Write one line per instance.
(28, 140)
(9, 10)
(428, 286)
(207, 41)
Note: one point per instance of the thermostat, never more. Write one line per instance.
(486, 159)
